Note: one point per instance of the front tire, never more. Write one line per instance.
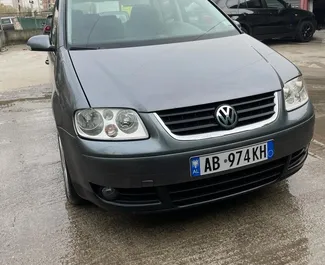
(305, 31)
(70, 192)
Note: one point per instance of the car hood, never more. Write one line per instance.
(159, 77)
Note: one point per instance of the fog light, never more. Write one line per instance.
(109, 193)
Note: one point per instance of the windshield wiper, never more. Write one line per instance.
(205, 33)
(75, 48)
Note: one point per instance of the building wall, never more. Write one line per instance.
(294, 3)
(47, 4)
(304, 4)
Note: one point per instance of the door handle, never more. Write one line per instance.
(47, 61)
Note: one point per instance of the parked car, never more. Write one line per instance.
(158, 114)
(8, 23)
(268, 19)
(47, 25)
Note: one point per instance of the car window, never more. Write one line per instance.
(242, 4)
(232, 3)
(236, 4)
(5, 21)
(274, 4)
(254, 4)
(108, 23)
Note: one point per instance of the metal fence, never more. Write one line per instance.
(27, 20)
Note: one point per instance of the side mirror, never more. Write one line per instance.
(40, 43)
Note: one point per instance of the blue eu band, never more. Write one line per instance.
(270, 149)
(195, 167)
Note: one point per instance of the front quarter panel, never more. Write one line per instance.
(301, 14)
(68, 95)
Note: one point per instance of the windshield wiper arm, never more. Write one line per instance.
(75, 48)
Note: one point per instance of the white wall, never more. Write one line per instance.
(7, 2)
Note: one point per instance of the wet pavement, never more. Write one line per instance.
(280, 224)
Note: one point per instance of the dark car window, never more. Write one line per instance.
(232, 3)
(236, 4)
(242, 4)
(274, 4)
(5, 21)
(254, 4)
(93, 23)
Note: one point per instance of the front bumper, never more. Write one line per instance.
(153, 175)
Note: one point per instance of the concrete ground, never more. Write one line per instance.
(281, 224)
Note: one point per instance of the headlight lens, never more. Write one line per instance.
(110, 124)
(295, 93)
(90, 122)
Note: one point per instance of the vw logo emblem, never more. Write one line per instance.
(226, 116)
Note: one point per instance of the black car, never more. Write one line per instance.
(268, 19)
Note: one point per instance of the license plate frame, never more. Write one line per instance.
(212, 160)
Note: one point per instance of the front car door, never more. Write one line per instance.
(279, 16)
(252, 14)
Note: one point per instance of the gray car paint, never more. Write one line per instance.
(158, 77)
(79, 81)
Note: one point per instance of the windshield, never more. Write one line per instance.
(125, 23)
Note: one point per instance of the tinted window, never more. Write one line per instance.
(254, 4)
(274, 4)
(116, 23)
(232, 3)
(242, 4)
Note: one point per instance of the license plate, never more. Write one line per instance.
(212, 163)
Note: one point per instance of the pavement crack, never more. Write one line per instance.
(314, 155)
(13, 224)
(318, 143)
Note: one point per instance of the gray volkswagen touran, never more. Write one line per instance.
(164, 105)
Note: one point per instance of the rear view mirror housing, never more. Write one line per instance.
(40, 43)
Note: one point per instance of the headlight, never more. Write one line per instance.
(110, 124)
(295, 93)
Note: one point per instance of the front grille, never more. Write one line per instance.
(201, 119)
(298, 158)
(226, 185)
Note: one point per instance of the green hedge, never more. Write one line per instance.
(31, 22)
